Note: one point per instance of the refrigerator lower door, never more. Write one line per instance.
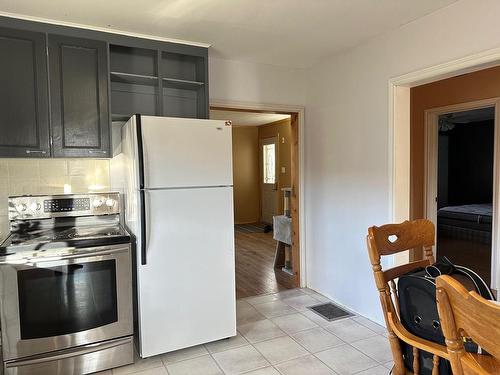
(187, 286)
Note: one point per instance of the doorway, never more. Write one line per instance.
(463, 209)
(265, 168)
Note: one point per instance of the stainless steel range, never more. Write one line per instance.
(66, 286)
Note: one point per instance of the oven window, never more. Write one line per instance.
(67, 299)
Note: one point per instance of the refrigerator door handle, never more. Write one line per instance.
(142, 198)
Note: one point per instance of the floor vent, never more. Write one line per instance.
(330, 311)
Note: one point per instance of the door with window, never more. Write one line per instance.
(269, 179)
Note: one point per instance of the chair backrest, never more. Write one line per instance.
(388, 240)
(391, 239)
(466, 315)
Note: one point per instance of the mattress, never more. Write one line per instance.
(477, 213)
(470, 222)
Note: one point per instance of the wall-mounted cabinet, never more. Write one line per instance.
(134, 82)
(91, 79)
(184, 81)
(24, 125)
(156, 82)
(79, 97)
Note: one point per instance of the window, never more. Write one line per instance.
(269, 159)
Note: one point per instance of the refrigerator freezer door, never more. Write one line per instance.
(187, 287)
(186, 152)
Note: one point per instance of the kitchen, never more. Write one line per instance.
(117, 247)
(85, 263)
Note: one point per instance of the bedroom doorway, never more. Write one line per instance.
(461, 189)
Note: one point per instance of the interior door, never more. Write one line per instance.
(187, 286)
(269, 179)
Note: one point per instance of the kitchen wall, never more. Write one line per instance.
(462, 89)
(246, 174)
(283, 130)
(48, 176)
(237, 81)
(347, 171)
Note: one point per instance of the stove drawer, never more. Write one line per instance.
(78, 361)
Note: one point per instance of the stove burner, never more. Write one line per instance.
(38, 239)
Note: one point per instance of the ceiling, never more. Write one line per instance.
(246, 118)
(295, 33)
(466, 117)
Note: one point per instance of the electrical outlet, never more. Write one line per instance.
(283, 170)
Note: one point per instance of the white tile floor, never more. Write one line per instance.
(277, 334)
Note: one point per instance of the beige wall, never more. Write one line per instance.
(48, 176)
(283, 130)
(246, 174)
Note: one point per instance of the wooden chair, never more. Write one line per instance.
(388, 240)
(465, 315)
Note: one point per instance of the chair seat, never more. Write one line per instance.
(484, 362)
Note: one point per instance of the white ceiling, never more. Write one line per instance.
(246, 118)
(296, 33)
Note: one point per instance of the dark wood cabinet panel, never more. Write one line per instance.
(79, 97)
(24, 124)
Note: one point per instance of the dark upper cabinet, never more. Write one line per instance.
(60, 87)
(79, 97)
(24, 120)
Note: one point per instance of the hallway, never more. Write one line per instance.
(255, 273)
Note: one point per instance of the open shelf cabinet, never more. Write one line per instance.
(156, 82)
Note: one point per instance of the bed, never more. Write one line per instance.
(471, 222)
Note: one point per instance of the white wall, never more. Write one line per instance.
(244, 82)
(347, 140)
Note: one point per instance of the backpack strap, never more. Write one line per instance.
(482, 288)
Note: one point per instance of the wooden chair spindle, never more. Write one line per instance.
(435, 365)
(416, 362)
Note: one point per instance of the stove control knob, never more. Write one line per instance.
(110, 202)
(22, 207)
(35, 206)
(97, 203)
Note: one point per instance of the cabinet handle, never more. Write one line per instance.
(36, 152)
(97, 152)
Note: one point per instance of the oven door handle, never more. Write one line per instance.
(86, 349)
(57, 258)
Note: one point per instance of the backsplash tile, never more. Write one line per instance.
(48, 176)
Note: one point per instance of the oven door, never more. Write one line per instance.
(62, 302)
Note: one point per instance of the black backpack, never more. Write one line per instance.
(418, 309)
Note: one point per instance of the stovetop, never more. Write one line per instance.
(33, 238)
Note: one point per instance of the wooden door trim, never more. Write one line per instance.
(299, 251)
(431, 118)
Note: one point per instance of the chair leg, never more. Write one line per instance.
(397, 354)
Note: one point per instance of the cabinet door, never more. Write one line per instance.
(79, 97)
(24, 120)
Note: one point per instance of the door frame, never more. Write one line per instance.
(299, 251)
(431, 117)
(399, 176)
(261, 172)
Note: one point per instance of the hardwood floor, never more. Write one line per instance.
(255, 272)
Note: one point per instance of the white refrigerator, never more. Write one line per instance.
(179, 206)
